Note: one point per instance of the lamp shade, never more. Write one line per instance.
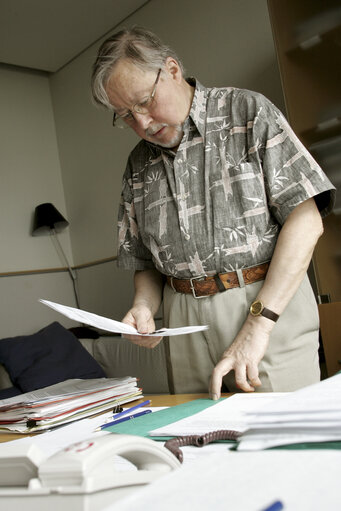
(47, 217)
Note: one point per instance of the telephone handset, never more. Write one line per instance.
(82, 476)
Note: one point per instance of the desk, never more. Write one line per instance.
(238, 480)
(175, 399)
(156, 399)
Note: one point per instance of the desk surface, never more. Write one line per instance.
(156, 400)
(175, 399)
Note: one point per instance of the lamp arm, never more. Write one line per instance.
(72, 272)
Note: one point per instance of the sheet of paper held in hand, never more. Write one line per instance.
(110, 325)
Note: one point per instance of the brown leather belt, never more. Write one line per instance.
(200, 287)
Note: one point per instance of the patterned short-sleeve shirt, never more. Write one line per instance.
(218, 203)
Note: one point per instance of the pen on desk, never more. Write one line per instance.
(129, 410)
(118, 421)
(275, 506)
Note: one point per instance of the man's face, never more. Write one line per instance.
(162, 125)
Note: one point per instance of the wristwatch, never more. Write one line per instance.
(257, 309)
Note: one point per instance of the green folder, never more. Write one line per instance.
(141, 426)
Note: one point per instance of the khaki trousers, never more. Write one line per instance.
(291, 360)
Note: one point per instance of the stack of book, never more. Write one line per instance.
(65, 402)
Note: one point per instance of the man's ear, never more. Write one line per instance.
(173, 69)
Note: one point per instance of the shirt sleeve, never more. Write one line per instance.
(291, 174)
(132, 253)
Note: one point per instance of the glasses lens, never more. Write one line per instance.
(144, 106)
(118, 122)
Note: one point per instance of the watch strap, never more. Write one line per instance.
(267, 313)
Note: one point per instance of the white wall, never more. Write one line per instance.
(71, 156)
(222, 42)
(29, 175)
(29, 170)
(21, 313)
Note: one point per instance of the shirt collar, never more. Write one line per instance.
(197, 112)
(198, 109)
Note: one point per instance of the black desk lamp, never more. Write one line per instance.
(48, 221)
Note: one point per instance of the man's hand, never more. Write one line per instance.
(243, 356)
(141, 318)
(295, 243)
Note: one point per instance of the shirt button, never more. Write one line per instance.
(187, 237)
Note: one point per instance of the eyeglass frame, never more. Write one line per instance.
(131, 112)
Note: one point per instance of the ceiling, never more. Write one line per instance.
(47, 34)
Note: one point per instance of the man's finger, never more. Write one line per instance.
(142, 327)
(241, 381)
(145, 341)
(223, 367)
(253, 376)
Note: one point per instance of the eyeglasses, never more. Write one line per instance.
(143, 107)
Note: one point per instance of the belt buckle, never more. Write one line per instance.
(193, 288)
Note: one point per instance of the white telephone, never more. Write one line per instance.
(81, 477)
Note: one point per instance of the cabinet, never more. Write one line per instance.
(307, 35)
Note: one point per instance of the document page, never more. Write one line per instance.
(229, 413)
(311, 414)
(240, 481)
(66, 389)
(111, 325)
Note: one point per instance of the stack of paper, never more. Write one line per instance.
(65, 402)
(311, 414)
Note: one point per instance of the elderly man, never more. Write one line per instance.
(221, 210)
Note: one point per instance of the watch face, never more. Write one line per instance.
(256, 308)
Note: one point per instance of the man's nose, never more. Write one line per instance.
(143, 120)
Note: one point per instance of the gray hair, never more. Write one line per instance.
(136, 44)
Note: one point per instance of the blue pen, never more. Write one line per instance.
(129, 410)
(113, 423)
(275, 506)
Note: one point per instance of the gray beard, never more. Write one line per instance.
(175, 141)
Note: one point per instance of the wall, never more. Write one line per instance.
(223, 42)
(29, 175)
(30, 170)
(66, 152)
(21, 311)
